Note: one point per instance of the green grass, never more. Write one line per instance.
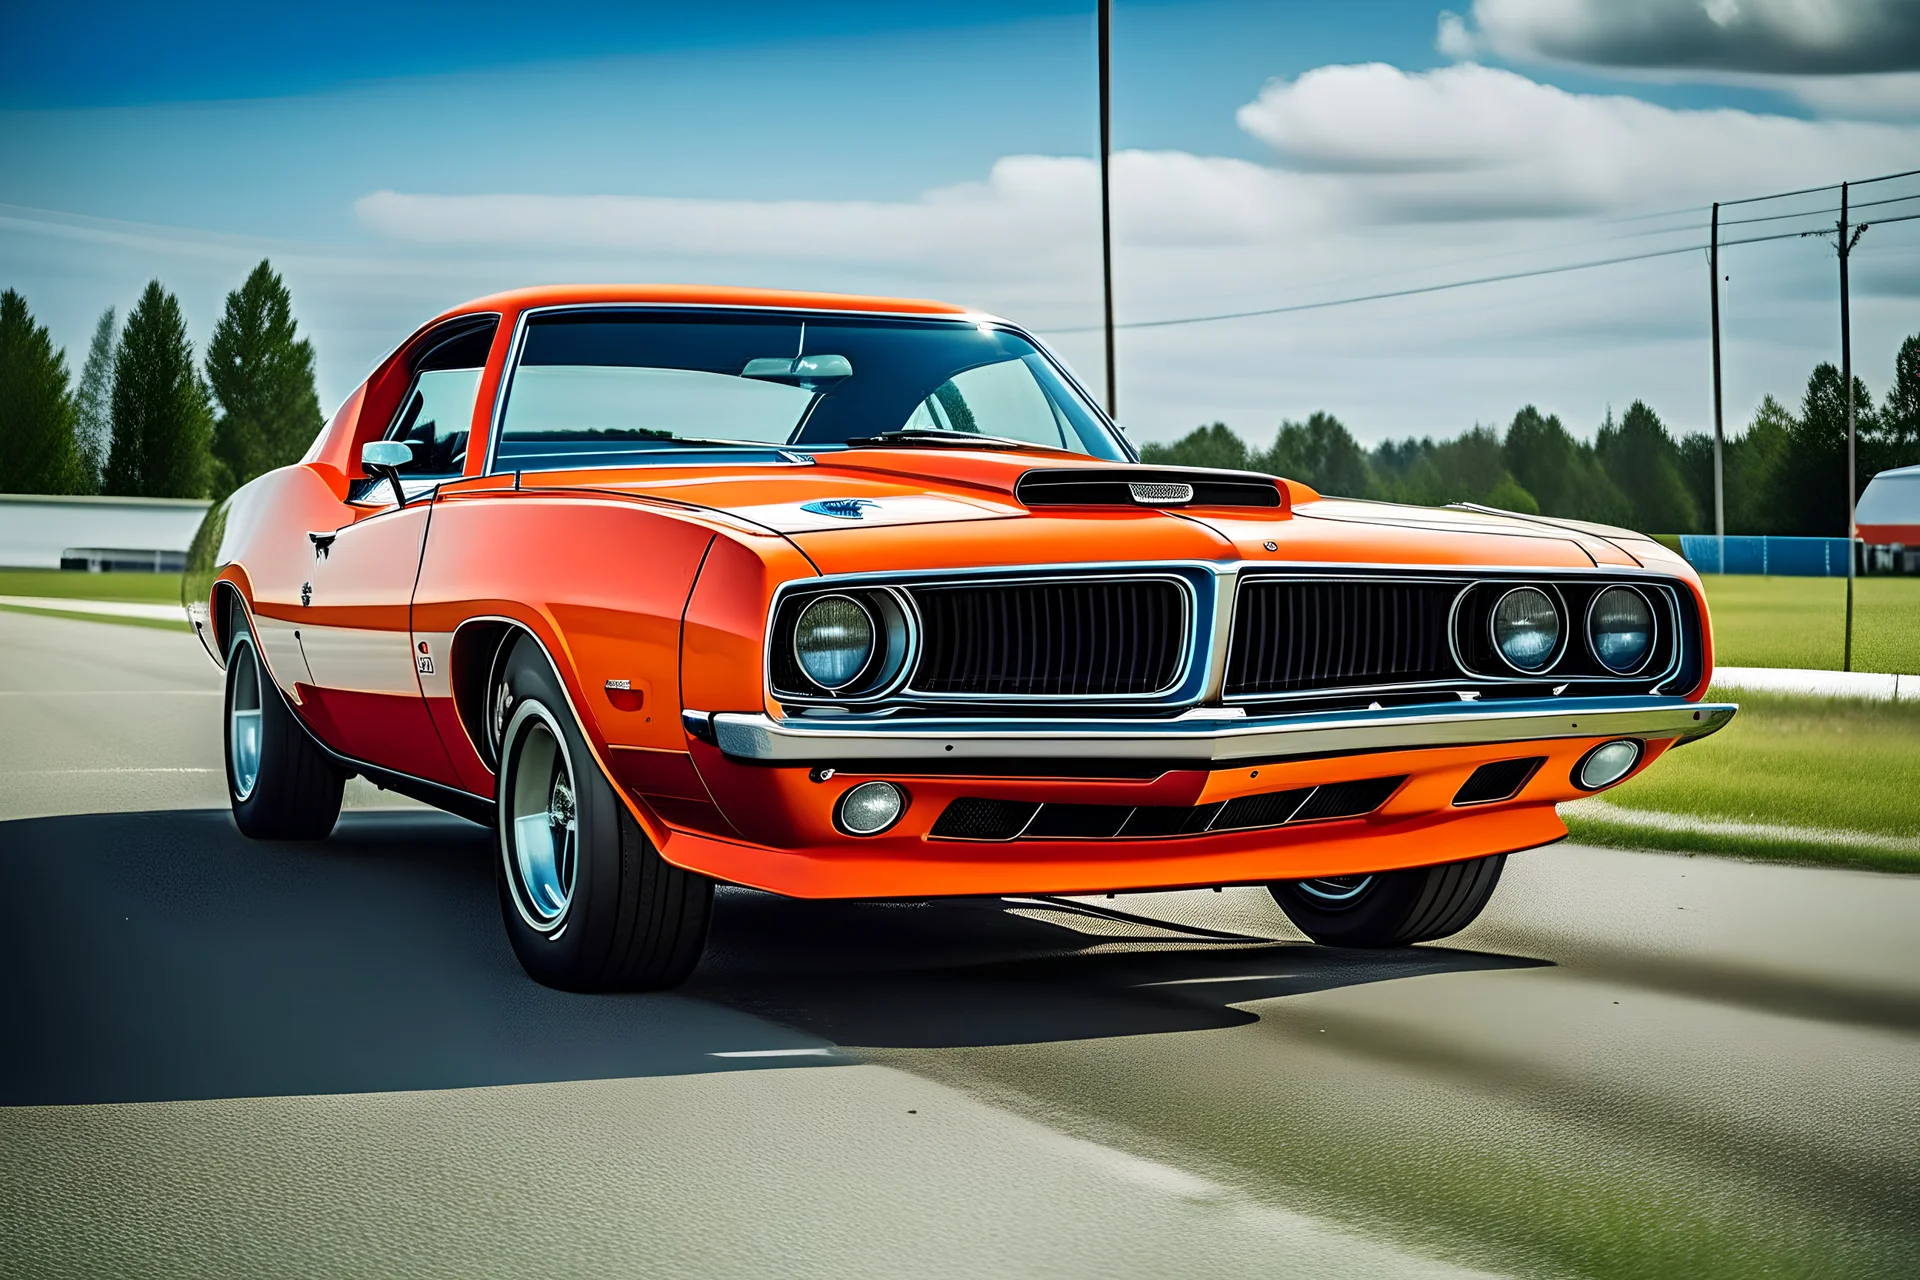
(1801, 622)
(160, 624)
(1838, 764)
(139, 588)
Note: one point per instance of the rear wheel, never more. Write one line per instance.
(1390, 908)
(589, 903)
(280, 783)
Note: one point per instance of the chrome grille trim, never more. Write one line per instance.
(1324, 634)
(1022, 639)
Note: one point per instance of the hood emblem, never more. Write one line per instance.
(840, 508)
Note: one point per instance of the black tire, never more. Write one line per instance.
(294, 792)
(1390, 908)
(600, 909)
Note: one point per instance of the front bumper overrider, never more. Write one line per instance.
(1203, 737)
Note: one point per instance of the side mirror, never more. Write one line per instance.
(383, 459)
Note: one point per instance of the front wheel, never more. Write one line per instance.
(281, 785)
(1390, 908)
(589, 903)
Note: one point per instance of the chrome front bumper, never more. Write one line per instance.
(1202, 738)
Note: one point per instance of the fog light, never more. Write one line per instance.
(1606, 764)
(870, 808)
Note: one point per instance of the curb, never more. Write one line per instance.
(1876, 686)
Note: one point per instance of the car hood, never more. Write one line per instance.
(867, 510)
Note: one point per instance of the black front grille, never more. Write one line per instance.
(976, 818)
(1291, 635)
(1112, 638)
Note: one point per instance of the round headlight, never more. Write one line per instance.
(870, 808)
(1620, 628)
(833, 641)
(1526, 628)
(1606, 764)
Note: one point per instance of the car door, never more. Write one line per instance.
(356, 617)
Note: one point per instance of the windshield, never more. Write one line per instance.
(601, 387)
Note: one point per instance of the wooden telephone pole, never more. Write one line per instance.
(1106, 196)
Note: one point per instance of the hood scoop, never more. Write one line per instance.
(1147, 487)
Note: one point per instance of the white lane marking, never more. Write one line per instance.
(1190, 982)
(102, 608)
(773, 1053)
(43, 773)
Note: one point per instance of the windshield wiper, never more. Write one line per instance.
(943, 439)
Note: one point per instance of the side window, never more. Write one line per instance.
(436, 415)
(999, 399)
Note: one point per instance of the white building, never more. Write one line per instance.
(43, 531)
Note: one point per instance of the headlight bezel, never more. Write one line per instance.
(1653, 630)
(895, 638)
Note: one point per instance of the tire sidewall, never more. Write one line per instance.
(1380, 911)
(556, 956)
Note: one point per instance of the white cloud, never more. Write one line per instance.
(1783, 37)
(1453, 37)
(1469, 141)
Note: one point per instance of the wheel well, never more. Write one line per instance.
(476, 646)
(227, 615)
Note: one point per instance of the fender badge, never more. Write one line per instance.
(840, 508)
(306, 593)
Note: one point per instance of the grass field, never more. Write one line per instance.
(1833, 765)
(1801, 622)
(139, 588)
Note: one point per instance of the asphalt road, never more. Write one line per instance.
(225, 1058)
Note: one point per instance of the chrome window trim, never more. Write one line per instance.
(974, 319)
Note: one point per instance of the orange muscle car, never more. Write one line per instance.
(865, 597)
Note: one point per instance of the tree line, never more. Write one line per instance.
(1783, 471)
(144, 420)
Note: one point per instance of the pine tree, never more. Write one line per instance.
(36, 413)
(93, 399)
(1899, 420)
(1642, 459)
(1809, 487)
(1214, 446)
(162, 425)
(262, 375)
(1320, 452)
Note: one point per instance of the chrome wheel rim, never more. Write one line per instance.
(243, 720)
(540, 823)
(1335, 892)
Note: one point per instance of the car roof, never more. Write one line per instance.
(561, 295)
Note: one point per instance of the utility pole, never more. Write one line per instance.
(1106, 196)
(1719, 432)
(1846, 376)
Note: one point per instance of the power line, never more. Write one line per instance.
(1831, 186)
(1417, 290)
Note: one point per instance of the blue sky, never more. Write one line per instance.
(184, 144)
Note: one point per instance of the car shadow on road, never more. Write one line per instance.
(162, 956)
